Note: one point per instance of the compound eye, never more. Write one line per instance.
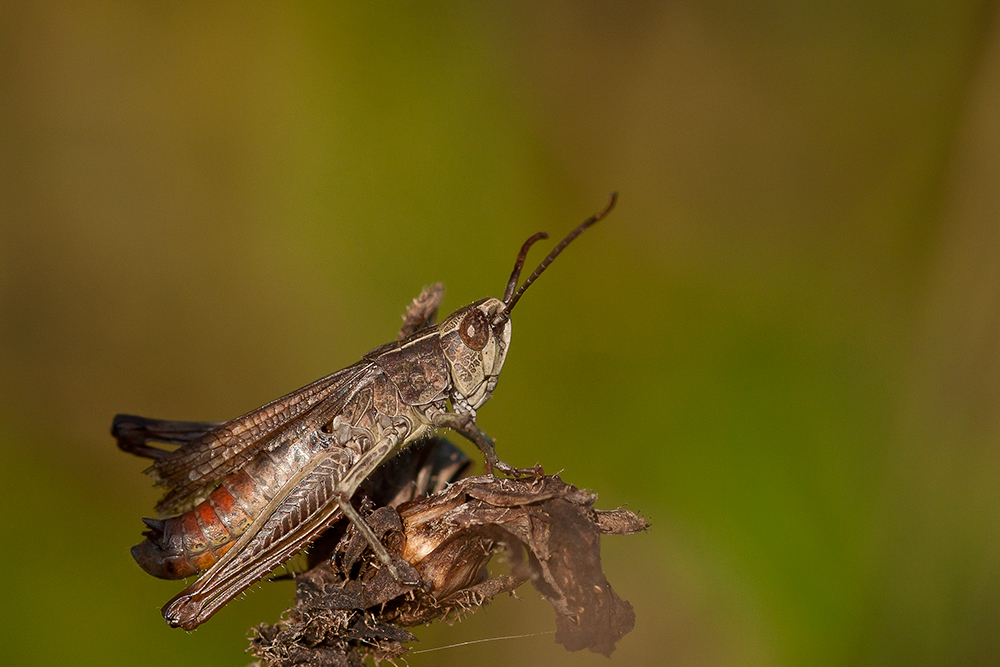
(475, 329)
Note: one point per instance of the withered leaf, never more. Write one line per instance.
(348, 605)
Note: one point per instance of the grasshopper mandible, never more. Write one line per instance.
(243, 496)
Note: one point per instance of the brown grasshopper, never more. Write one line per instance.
(244, 496)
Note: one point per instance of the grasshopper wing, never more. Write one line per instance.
(133, 432)
(190, 472)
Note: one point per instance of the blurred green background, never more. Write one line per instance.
(782, 348)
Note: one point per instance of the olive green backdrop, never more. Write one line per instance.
(782, 348)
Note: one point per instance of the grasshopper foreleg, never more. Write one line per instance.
(466, 425)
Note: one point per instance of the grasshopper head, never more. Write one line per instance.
(475, 348)
(475, 338)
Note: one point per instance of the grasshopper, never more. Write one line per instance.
(244, 496)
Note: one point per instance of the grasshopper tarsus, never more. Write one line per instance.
(406, 575)
(535, 472)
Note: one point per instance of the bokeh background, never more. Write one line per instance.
(783, 347)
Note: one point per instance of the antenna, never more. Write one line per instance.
(511, 301)
(519, 264)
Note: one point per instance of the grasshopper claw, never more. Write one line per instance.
(534, 472)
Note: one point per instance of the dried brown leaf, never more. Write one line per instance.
(348, 605)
